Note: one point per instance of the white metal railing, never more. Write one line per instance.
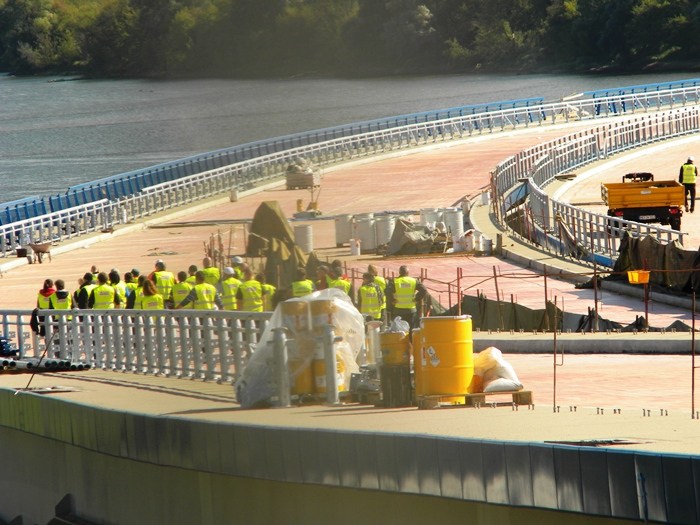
(212, 345)
(265, 168)
(593, 235)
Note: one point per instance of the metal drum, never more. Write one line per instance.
(304, 238)
(384, 228)
(429, 216)
(363, 230)
(447, 357)
(343, 229)
(454, 220)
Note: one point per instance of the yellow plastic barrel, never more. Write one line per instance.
(396, 348)
(302, 377)
(447, 357)
(319, 374)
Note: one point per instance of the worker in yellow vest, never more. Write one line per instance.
(181, 288)
(130, 283)
(164, 281)
(150, 298)
(211, 273)
(302, 286)
(370, 298)
(268, 293)
(192, 271)
(103, 296)
(250, 293)
(118, 285)
(203, 295)
(43, 298)
(381, 282)
(339, 281)
(688, 176)
(229, 289)
(405, 295)
(62, 299)
(238, 265)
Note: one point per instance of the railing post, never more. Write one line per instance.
(329, 340)
(281, 361)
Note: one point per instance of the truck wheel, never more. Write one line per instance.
(676, 223)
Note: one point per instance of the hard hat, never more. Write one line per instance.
(237, 260)
(691, 159)
(228, 270)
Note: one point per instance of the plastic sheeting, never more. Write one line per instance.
(304, 319)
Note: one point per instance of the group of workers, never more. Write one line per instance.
(200, 289)
(377, 298)
(236, 288)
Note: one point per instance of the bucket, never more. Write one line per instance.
(447, 357)
(21, 252)
(363, 229)
(355, 248)
(304, 238)
(454, 220)
(396, 348)
(429, 216)
(343, 229)
(486, 198)
(384, 228)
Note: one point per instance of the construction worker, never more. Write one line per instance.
(134, 300)
(406, 295)
(338, 280)
(322, 277)
(203, 295)
(381, 282)
(250, 293)
(61, 300)
(370, 298)
(82, 295)
(688, 176)
(129, 283)
(302, 286)
(181, 288)
(150, 298)
(103, 296)
(118, 285)
(211, 273)
(238, 267)
(192, 271)
(43, 298)
(229, 288)
(268, 293)
(164, 281)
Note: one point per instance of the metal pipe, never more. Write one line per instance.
(329, 340)
(282, 367)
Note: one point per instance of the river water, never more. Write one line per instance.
(57, 132)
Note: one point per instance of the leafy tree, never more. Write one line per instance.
(34, 37)
(109, 42)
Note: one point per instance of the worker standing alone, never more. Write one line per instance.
(406, 294)
(688, 176)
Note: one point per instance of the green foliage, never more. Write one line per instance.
(342, 37)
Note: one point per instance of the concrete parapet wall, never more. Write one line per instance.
(133, 468)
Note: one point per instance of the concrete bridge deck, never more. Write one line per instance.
(653, 392)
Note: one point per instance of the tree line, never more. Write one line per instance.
(257, 38)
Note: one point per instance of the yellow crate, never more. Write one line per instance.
(638, 276)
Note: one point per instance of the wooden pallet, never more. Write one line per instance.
(520, 397)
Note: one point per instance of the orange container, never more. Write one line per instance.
(447, 357)
(638, 276)
(396, 348)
